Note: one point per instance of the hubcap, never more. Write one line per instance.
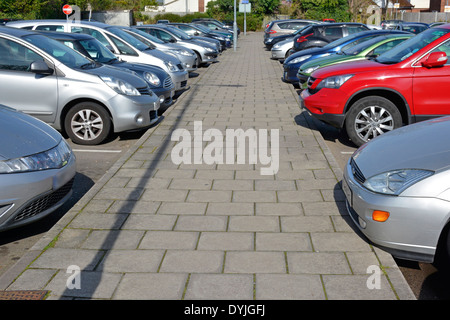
(87, 124)
(373, 121)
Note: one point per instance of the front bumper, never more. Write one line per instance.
(133, 112)
(278, 54)
(30, 196)
(318, 105)
(413, 228)
(179, 80)
(290, 74)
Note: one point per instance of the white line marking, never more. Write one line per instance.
(100, 151)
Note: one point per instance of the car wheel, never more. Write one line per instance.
(87, 123)
(289, 52)
(370, 117)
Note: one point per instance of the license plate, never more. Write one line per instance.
(347, 191)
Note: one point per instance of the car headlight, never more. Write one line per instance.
(182, 52)
(209, 49)
(152, 78)
(299, 59)
(276, 46)
(334, 82)
(171, 66)
(120, 86)
(395, 182)
(54, 158)
(310, 69)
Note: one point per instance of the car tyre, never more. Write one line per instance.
(370, 117)
(87, 123)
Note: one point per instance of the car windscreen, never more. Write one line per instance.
(60, 52)
(411, 46)
(346, 39)
(180, 34)
(128, 38)
(146, 35)
(97, 51)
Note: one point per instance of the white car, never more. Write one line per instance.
(280, 50)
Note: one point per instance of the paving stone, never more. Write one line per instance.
(283, 242)
(192, 261)
(131, 261)
(151, 286)
(226, 241)
(220, 287)
(253, 224)
(169, 240)
(255, 262)
(289, 287)
(318, 263)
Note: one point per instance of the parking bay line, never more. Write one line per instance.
(97, 150)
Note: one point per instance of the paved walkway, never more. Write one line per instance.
(153, 229)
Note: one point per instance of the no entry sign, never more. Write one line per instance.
(67, 9)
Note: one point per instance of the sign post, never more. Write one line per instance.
(67, 11)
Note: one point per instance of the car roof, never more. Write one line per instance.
(15, 31)
(56, 21)
(66, 35)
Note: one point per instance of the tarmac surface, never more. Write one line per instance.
(155, 229)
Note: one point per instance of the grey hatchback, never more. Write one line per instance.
(46, 79)
(37, 169)
(397, 188)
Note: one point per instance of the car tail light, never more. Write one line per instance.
(303, 38)
(272, 32)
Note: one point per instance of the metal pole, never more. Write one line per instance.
(245, 19)
(234, 28)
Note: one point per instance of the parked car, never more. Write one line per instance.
(37, 169)
(284, 27)
(368, 98)
(187, 57)
(123, 45)
(390, 24)
(281, 50)
(319, 35)
(294, 61)
(206, 53)
(270, 42)
(208, 39)
(215, 25)
(227, 24)
(157, 79)
(87, 101)
(197, 30)
(412, 27)
(369, 49)
(397, 191)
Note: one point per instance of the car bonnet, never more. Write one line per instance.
(22, 135)
(120, 73)
(423, 145)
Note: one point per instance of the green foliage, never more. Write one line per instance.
(320, 9)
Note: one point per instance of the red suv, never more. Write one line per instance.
(406, 84)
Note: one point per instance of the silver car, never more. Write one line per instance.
(37, 169)
(280, 49)
(123, 45)
(48, 80)
(397, 188)
(205, 53)
(187, 57)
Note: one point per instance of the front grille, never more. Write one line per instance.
(145, 91)
(168, 84)
(45, 202)
(153, 115)
(183, 83)
(180, 66)
(359, 176)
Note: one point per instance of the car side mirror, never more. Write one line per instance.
(40, 67)
(435, 59)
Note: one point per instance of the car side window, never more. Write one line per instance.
(355, 29)
(296, 25)
(123, 47)
(386, 46)
(333, 32)
(14, 56)
(444, 47)
(283, 25)
(58, 28)
(164, 36)
(92, 32)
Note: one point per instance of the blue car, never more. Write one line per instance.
(294, 61)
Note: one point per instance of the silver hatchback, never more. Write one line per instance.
(397, 188)
(46, 79)
(37, 169)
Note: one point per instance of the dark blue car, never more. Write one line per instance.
(294, 61)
